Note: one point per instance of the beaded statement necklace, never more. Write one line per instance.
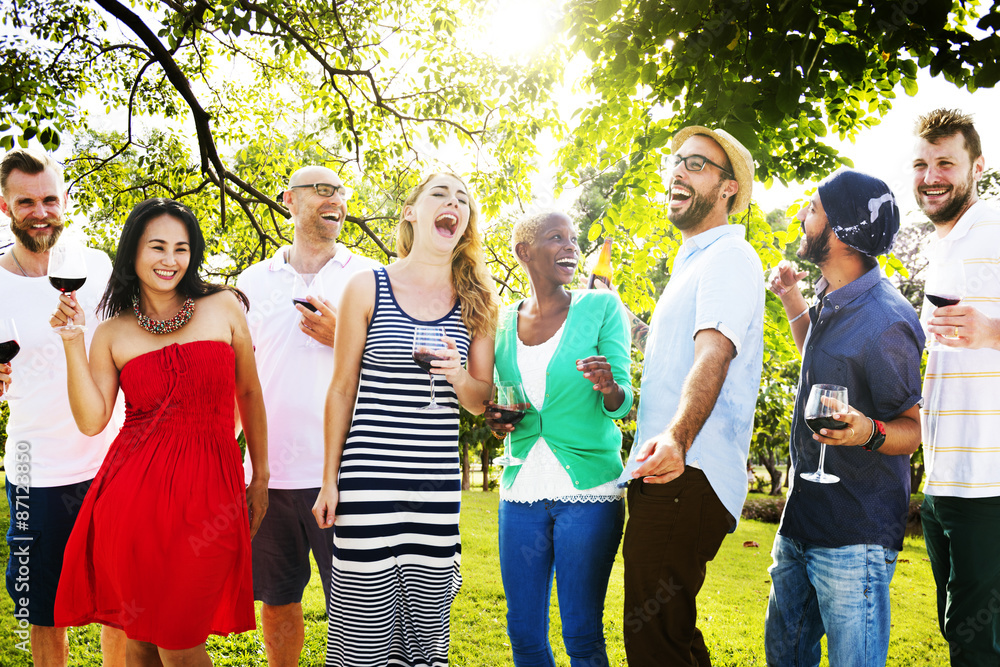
(163, 326)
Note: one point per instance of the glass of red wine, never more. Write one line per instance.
(945, 286)
(825, 400)
(68, 273)
(428, 346)
(9, 347)
(509, 400)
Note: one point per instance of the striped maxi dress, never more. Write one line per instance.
(396, 549)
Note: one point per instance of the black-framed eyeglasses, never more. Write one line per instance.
(326, 189)
(697, 163)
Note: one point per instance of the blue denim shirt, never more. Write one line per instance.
(717, 283)
(867, 338)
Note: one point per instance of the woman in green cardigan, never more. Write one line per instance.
(561, 511)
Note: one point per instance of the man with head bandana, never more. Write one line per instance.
(835, 551)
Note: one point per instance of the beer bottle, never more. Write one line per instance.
(602, 271)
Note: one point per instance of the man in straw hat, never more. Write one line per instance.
(699, 388)
(835, 552)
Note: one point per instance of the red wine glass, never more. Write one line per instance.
(428, 346)
(825, 400)
(509, 400)
(945, 286)
(9, 347)
(67, 273)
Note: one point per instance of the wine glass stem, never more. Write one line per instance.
(432, 389)
(822, 456)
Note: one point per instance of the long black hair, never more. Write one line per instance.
(124, 281)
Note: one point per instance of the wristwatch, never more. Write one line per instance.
(877, 438)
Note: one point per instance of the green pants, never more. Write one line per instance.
(963, 543)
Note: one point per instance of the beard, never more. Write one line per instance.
(961, 197)
(817, 249)
(21, 229)
(699, 206)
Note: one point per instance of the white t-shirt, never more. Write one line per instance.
(960, 415)
(294, 369)
(41, 424)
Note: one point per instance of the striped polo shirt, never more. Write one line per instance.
(961, 411)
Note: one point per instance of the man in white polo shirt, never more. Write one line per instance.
(49, 464)
(294, 349)
(961, 510)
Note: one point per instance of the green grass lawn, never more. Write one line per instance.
(732, 606)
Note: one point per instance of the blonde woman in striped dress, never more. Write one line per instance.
(391, 481)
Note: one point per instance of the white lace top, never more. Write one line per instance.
(542, 477)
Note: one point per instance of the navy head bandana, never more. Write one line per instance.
(862, 211)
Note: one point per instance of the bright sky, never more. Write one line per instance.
(518, 27)
(886, 150)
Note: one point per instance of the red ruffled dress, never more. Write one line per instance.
(161, 547)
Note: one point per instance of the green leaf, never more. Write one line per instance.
(595, 232)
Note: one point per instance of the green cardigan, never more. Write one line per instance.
(573, 420)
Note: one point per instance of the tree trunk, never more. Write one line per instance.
(485, 462)
(770, 464)
(916, 477)
(466, 470)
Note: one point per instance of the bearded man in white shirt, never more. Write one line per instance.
(49, 464)
(961, 510)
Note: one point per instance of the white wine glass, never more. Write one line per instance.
(509, 400)
(428, 346)
(300, 296)
(945, 286)
(825, 400)
(67, 273)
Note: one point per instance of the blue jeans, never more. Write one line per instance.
(577, 542)
(843, 592)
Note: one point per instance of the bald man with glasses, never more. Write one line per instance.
(293, 343)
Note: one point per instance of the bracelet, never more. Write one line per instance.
(799, 315)
(872, 436)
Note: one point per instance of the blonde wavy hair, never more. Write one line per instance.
(471, 280)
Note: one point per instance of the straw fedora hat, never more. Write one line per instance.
(739, 158)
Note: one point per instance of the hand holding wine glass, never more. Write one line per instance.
(429, 345)
(68, 272)
(9, 347)
(945, 286)
(69, 319)
(508, 407)
(317, 322)
(825, 401)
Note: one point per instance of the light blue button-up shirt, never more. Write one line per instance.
(717, 283)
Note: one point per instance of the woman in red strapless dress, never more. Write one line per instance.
(161, 547)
